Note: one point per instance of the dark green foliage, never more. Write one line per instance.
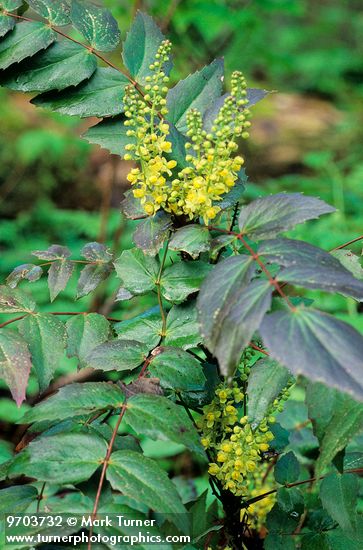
(193, 312)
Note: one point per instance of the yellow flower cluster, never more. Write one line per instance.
(237, 447)
(261, 482)
(211, 171)
(149, 134)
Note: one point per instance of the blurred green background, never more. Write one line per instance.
(306, 136)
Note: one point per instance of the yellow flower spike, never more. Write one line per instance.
(221, 457)
(166, 147)
(149, 208)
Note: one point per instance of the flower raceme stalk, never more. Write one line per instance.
(212, 168)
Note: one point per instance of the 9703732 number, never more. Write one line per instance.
(34, 521)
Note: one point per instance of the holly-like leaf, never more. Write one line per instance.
(62, 458)
(117, 355)
(6, 24)
(58, 276)
(145, 328)
(265, 382)
(16, 499)
(140, 478)
(267, 217)
(13, 300)
(54, 252)
(197, 91)
(56, 11)
(180, 280)
(335, 424)
(151, 233)
(311, 267)
(109, 134)
(338, 495)
(137, 271)
(159, 418)
(317, 345)
(193, 239)
(61, 65)
(96, 24)
(85, 332)
(287, 468)
(177, 370)
(99, 96)
(30, 272)
(45, 336)
(140, 47)
(182, 328)
(24, 41)
(15, 364)
(75, 400)
(91, 276)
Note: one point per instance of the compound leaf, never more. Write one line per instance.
(317, 345)
(15, 363)
(45, 336)
(96, 24)
(24, 41)
(267, 217)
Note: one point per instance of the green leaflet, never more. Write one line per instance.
(137, 271)
(30, 272)
(62, 65)
(85, 332)
(182, 328)
(137, 476)
(109, 134)
(151, 233)
(117, 355)
(74, 400)
(24, 41)
(99, 96)
(160, 418)
(338, 495)
(177, 370)
(96, 24)
(180, 280)
(335, 424)
(6, 24)
(317, 345)
(62, 458)
(265, 382)
(15, 363)
(197, 91)
(58, 276)
(56, 11)
(15, 500)
(45, 336)
(267, 217)
(141, 44)
(145, 328)
(193, 239)
(15, 300)
(287, 469)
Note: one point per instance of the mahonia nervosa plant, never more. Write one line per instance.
(260, 390)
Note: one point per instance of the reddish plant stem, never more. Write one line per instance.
(104, 469)
(347, 244)
(253, 346)
(2, 325)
